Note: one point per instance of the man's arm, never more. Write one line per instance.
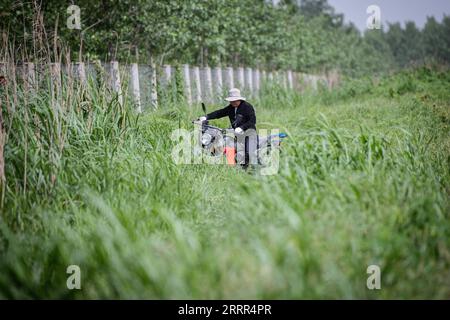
(217, 114)
(251, 121)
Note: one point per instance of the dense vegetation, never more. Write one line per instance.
(364, 179)
(364, 175)
(309, 36)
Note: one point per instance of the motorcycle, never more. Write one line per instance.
(218, 142)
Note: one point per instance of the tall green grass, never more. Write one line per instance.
(364, 179)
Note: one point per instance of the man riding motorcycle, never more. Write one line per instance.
(242, 117)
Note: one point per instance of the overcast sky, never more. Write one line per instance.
(392, 10)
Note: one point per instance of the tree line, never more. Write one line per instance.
(304, 35)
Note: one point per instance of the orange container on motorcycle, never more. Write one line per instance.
(231, 155)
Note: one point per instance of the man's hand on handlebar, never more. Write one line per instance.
(202, 120)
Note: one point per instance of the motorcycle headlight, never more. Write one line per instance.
(206, 139)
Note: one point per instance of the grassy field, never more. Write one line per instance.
(364, 179)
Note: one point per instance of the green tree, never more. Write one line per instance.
(436, 39)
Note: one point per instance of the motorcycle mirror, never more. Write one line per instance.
(204, 108)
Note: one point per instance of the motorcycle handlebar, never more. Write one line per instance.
(211, 127)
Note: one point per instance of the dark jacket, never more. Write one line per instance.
(245, 109)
